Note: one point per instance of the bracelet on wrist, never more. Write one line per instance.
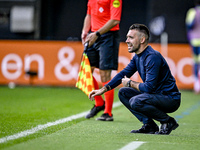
(107, 87)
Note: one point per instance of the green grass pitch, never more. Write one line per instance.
(24, 108)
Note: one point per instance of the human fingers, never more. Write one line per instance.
(83, 37)
(123, 81)
(91, 95)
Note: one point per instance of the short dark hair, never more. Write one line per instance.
(197, 2)
(141, 28)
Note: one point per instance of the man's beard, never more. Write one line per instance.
(134, 50)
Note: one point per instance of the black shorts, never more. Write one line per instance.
(103, 54)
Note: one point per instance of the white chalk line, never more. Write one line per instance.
(132, 146)
(49, 124)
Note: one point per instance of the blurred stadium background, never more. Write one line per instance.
(40, 45)
(37, 36)
(63, 19)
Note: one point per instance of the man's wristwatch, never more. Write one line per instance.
(98, 34)
(129, 83)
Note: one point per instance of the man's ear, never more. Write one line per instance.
(142, 40)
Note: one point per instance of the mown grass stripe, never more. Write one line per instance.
(132, 146)
(188, 111)
(49, 124)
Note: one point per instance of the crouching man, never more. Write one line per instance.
(157, 95)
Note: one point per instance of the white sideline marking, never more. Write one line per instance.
(48, 124)
(132, 146)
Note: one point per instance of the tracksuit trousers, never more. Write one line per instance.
(148, 107)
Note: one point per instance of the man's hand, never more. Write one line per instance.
(133, 84)
(125, 80)
(91, 38)
(97, 92)
(83, 37)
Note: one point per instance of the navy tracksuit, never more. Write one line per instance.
(158, 94)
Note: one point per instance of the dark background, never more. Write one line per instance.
(63, 19)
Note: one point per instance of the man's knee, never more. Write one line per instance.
(105, 75)
(136, 103)
(121, 93)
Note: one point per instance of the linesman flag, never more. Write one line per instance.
(85, 79)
